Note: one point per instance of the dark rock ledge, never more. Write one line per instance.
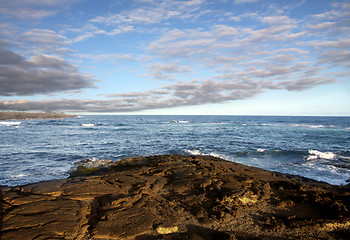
(176, 197)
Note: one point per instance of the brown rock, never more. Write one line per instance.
(176, 197)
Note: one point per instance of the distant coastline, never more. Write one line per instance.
(30, 115)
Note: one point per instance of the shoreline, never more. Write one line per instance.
(176, 197)
(5, 116)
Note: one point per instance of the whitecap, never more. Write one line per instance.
(312, 125)
(199, 153)
(314, 154)
(88, 124)
(316, 126)
(10, 123)
(177, 121)
(261, 150)
(20, 175)
(193, 152)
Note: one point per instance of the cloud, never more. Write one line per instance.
(305, 83)
(153, 12)
(35, 41)
(284, 58)
(42, 36)
(90, 30)
(223, 46)
(114, 57)
(245, 1)
(181, 94)
(27, 13)
(39, 74)
(277, 20)
(32, 9)
(7, 29)
(333, 53)
(224, 31)
(234, 61)
(166, 71)
(44, 41)
(217, 90)
(322, 26)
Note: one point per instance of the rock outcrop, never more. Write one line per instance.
(176, 197)
(30, 115)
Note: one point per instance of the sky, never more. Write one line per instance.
(222, 57)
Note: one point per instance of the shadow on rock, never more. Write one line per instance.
(193, 233)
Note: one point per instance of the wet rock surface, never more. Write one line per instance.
(176, 197)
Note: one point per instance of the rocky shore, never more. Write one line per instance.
(29, 115)
(176, 197)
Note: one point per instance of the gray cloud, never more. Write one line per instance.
(32, 9)
(166, 71)
(172, 95)
(182, 94)
(40, 74)
(305, 83)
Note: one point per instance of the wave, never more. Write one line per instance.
(197, 152)
(10, 123)
(20, 175)
(298, 125)
(178, 121)
(88, 124)
(315, 154)
(90, 163)
(312, 125)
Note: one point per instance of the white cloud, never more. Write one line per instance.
(154, 12)
(245, 1)
(43, 36)
(322, 26)
(90, 31)
(166, 71)
(224, 31)
(277, 20)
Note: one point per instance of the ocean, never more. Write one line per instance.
(312, 147)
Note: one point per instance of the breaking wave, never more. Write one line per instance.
(88, 124)
(314, 154)
(10, 123)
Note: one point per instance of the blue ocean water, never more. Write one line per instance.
(313, 147)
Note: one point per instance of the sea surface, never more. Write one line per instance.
(313, 147)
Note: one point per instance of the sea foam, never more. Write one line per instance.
(10, 123)
(88, 125)
(314, 154)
